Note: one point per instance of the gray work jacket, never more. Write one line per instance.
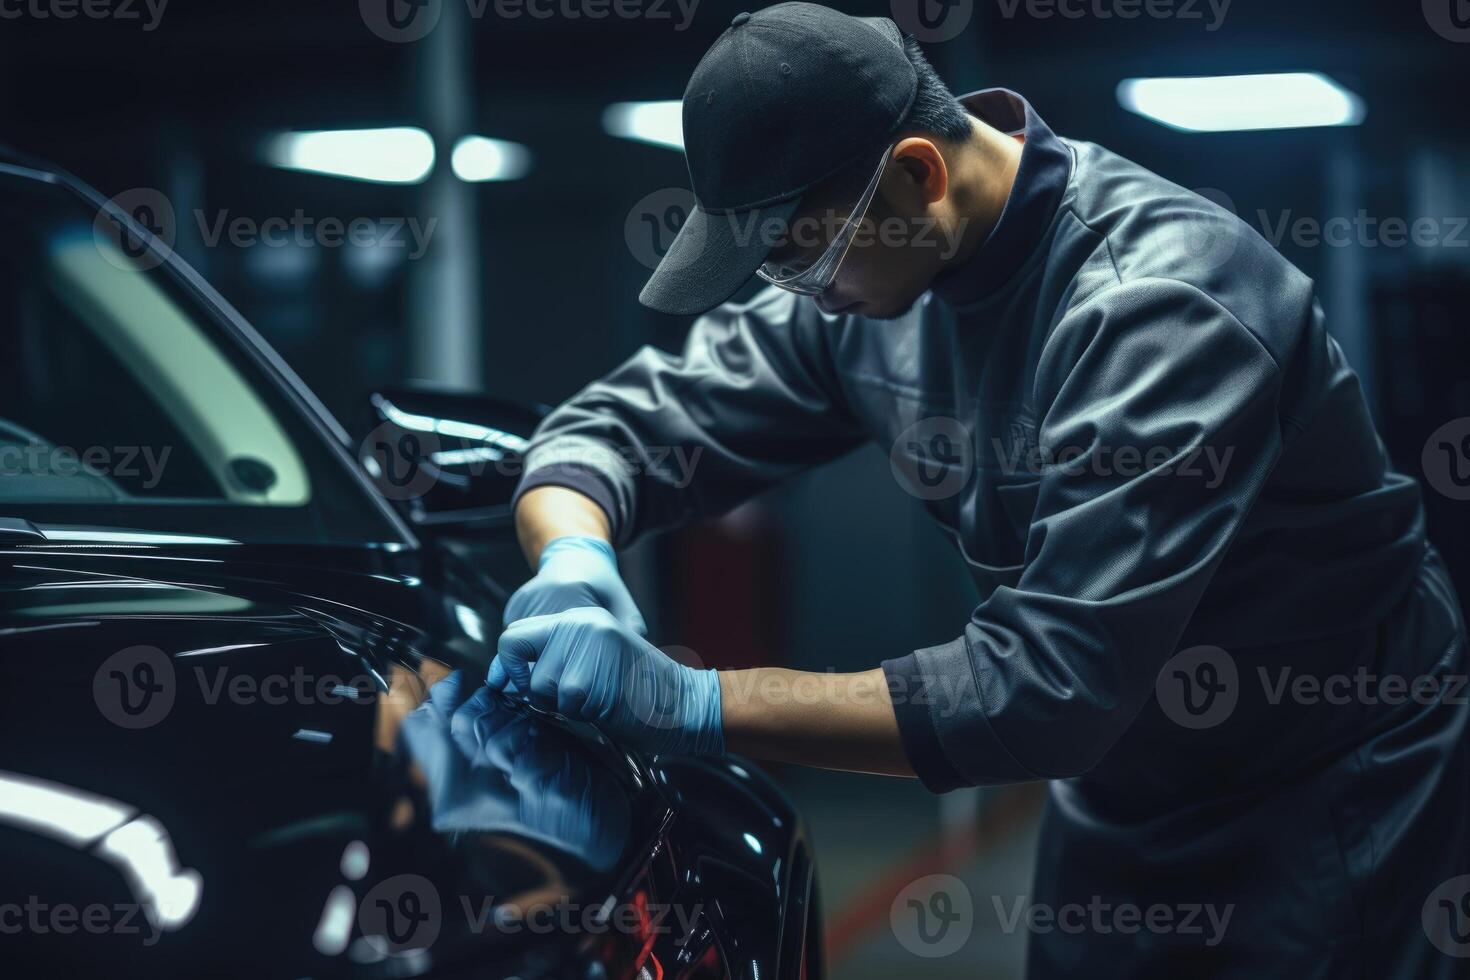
(1128, 413)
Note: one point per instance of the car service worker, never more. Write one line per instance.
(1171, 496)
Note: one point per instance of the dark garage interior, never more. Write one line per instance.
(511, 265)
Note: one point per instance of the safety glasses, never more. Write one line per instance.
(811, 277)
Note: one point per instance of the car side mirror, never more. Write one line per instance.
(447, 460)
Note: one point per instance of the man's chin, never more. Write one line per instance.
(836, 307)
(864, 309)
(887, 313)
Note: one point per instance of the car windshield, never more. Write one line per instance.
(127, 410)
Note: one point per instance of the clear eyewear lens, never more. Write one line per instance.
(815, 278)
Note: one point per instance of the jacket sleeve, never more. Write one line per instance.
(1159, 426)
(752, 398)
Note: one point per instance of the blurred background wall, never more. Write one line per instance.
(526, 284)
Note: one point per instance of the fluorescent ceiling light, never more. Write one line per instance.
(659, 123)
(396, 155)
(1213, 104)
(477, 158)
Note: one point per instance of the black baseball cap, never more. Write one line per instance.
(785, 97)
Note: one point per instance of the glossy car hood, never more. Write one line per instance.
(246, 754)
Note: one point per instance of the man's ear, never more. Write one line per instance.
(922, 167)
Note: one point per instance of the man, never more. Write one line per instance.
(1149, 451)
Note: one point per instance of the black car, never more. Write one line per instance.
(245, 733)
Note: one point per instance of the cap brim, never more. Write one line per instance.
(885, 27)
(712, 256)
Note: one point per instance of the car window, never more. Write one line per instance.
(123, 404)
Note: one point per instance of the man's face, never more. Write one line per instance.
(892, 261)
(898, 249)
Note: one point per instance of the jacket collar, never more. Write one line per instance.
(1041, 183)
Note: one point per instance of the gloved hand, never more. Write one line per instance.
(575, 571)
(489, 768)
(461, 795)
(588, 666)
(561, 798)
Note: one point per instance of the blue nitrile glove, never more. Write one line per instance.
(571, 804)
(489, 768)
(562, 799)
(461, 796)
(541, 775)
(588, 666)
(575, 571)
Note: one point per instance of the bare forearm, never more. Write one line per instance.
(830, 721)
(546, 513)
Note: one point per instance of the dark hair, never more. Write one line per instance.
(935, 109)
